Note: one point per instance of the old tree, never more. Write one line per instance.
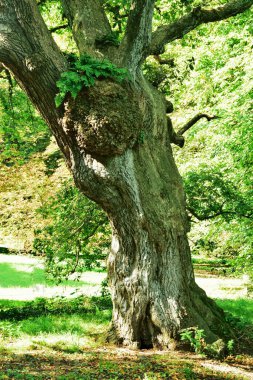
(116, 142)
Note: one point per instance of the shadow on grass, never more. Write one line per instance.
(92, 365)
(49, 307)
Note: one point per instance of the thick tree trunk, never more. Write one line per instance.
(116, 142)
(150, 272)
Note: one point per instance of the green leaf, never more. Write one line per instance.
(59, 99)
(86, 70)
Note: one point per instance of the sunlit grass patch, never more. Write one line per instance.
(241, 308)
(24, 276)
(19, 276)
(24, 272)
(86, 324)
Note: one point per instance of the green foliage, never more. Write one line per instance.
(195, 337)
(231, 346)
(209, 193)
(22, 131)
(54, 306)
(77, 236)
(141, 137)
(116, 11)
(189, 374)
(83, 73)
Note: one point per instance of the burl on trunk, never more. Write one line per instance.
(150, 272)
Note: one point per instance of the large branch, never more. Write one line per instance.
(137, 38)
(59, 27)
(88, 21)
(168, 33)
(29, 51)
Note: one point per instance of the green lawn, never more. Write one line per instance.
(65, 338)
(241, 308)
(18, 273)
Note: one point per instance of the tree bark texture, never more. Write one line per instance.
(150, 272)
(116, 141)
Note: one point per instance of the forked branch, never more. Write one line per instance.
(168, 33)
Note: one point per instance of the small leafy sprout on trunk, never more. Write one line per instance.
(83, 72)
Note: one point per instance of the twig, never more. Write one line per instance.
(59, 27)
(193, 121)
(219, 213)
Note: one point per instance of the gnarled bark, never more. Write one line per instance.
(116, 142)
(88, 22)
(150, 272)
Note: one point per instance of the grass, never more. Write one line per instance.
(241, 308)
(19, 273)
(20, 276)
(76, 324)
(25, 276)
(64, 339)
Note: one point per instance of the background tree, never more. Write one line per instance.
(116, 142)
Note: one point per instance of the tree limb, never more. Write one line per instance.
(218, 213)
(164, 61)
(177, 138)
(28, 50)
(88, 22)
(59, 27)
(193, 121)
(168, 33)
(137, 38)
